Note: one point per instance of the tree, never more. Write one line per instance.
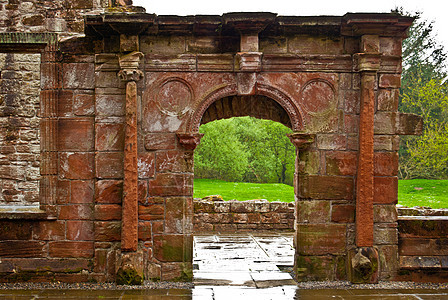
(260, 150)
(220, 154)
(424, 92)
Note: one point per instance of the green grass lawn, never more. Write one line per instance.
(423, 192)
(243, 190)
(415, 192)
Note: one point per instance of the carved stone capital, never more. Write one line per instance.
(301, 140)
(130, 75)
(249, 61)
(189, 140)
(129, 67)
(365, 62)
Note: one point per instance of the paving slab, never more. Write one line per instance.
(235, 266)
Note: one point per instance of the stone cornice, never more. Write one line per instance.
(351, 24)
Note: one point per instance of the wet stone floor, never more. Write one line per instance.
(230, 267)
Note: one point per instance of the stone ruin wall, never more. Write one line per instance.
(19, 129)
(65, 17)
(20, 89)
(82, 178)
(240, 216)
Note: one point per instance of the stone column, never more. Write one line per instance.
(131, 262)
(364, 260)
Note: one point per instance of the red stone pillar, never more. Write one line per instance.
(363, 261)
(368, 64)
(129, 230)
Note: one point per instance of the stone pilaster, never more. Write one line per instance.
(363, 267)
(130, 74)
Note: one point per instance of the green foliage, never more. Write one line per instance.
(243, 190)
(422, 192)
(245, 149)
(427, 156)
(220, 153)
(424, 92)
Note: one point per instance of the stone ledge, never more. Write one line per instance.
(229, 216)
(23, 213)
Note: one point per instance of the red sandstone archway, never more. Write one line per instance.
(279, 97)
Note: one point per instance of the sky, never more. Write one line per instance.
(432, 10)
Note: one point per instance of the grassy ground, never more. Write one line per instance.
(243, 190)
(416, 192)
(423, 192)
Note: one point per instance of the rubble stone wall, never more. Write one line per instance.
(232, 216)
(423, 244)
(19, 129)
(61, 16)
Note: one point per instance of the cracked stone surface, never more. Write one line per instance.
(236, 264)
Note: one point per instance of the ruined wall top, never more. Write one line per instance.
(65, 17)
(351, 24)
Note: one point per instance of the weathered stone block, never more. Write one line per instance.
(309, 162)
(423, 246)
(385, 122)
(317, 268)
(388, 99)
(146, 165)
(109, 105)
(65, 103)
(385, 213)
(410, 124)
(76, 165)
(109, 164)
(75, 212)
(351, 101)
(80, 230)
(307, 44)
(390, 81)
(242, 206)
(385, 235)
(321, 239)
(109, 137)
(351, 124)
(313, 211)
(160, 141)
(82, 191)
(261, 207)
(175, 215)
(326, 187)
(385, 190)
(168, 184)
(331, 142)
(78, 76)
(45, 231)
(388, 258)
(343, 213)
(108, 191)
(173, 248)
(385, 163)
(341, 163)
(14, 230)
(108, 231)
(390, 46)
(151, 212)
(144, 231)
(83, 105)
(172, 161)
(75, 134)
(386, 142)
(222, 207)
(108, 212)
(32, 249)
(71, 249)
(420, 226)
